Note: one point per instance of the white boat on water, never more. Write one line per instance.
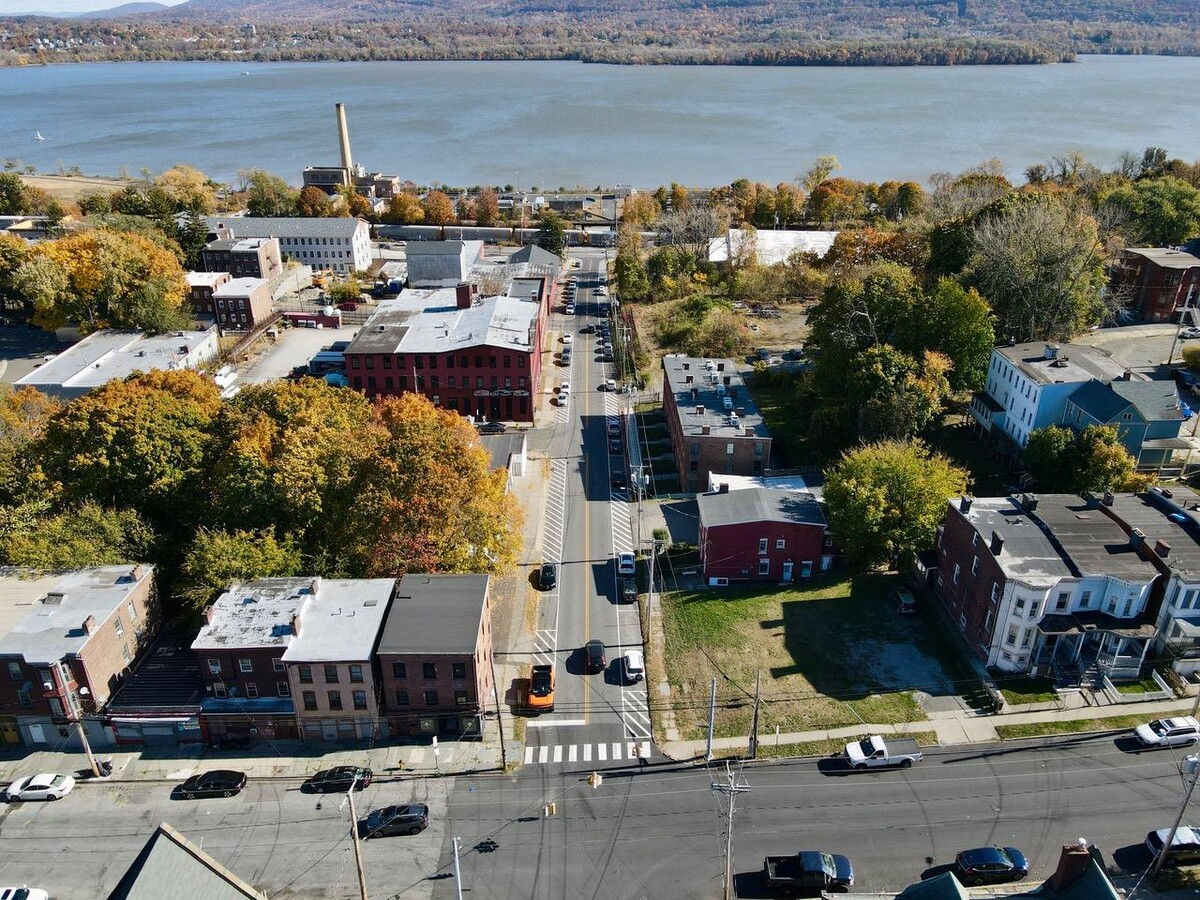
(37, 136)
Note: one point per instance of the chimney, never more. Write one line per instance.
(296, 624)
(1072, 863)
(462, 294)
(749, 432)
(1137, 538)
(741, 410)
(343, 137)
(964, 504)
(1162, 548)
(997, 543)
(1029, 501)
(89, 624)
(1109, 498)
(699, 410)
(1050, 352)
(723, 487)
(689, 380)
(314, 586)
(721, 368)
(704, 429)
(695, 394)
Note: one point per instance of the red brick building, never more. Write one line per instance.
(242, 304)
(1158, 282)
(201, 286)
(435, 656)
(476, 357)
(762, 534)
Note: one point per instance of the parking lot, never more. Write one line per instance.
(295, 347)
(22, 350)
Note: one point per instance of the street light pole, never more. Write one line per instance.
(75, 710)
(730, 788)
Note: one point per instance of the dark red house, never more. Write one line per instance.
(1158, 282)
(762, 534)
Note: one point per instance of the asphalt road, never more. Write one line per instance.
(658, 831)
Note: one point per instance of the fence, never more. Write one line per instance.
(1164, 691)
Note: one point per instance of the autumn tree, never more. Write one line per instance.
(487, 208)
(1062, 460)
(100, 279)
(348, 290)
(24, 414)
(629, 270)
(78, 537)
(678, 198)
(189, 188)
(817, 173)
(313, 203)
(216, 559)
(438, 208)
(551, 235)
(14, 252)
(885, 500)
(353, 203)
(641, 210)
(890, 394)
(94, 203)
(405, 209)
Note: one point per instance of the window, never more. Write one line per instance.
(118, 626)
(975, 566)
(356, 674)
(987, 622)
(1112, 605)
(995, 590)
(245, 665)
(1020, 604)
(729, 449)
(219, 691)
(132, 610)
(335, 700)
(359, 698)
(251, 690)
(1034, 607)
(1128, 607)
(1188, 598)
(460, 698)
(1060, 602)
(974, 538)
(283, 689)
(305, 673)
(458, 670)
(1026, 637)
(764, 567)
(399, 670)
(331, 674)
(14, 670)
(402, 698)
(956, 573)
(277, 664)
(214, 667)
(429, 670)
(310, 700)
(762, 545)
(695, 450)
(780, 543)
(431, 698)
(1013, 634)
(1085, 599)
(125, 653)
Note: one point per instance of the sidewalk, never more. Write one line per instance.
(952, 728)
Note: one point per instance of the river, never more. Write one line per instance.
(560, 123)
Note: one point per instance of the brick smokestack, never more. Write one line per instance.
(1072, 863)
(463, 295)
(343, 136)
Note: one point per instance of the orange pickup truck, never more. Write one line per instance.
(541, 689)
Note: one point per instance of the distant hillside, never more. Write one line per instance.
(125, 9)
(740, 32)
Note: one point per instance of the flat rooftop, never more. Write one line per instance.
(435, 614)
(1093, 543)
(239, 287)
(1071, 363)
(205, 279)
(1171, 516)
(1028, 555)
(341, 621)
(700, 388)
(45, 616)
(502, 447)
(256, 614)
(1166, 257)
(429, 321)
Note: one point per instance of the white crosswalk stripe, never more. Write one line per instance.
(608, 751)
(635, 712)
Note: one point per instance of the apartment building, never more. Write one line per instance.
(256, 257)
(341, 244)
(242, 304)
(1157, 283)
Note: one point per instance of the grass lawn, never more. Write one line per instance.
(831, 653)
(1145, 686)
(1071, 726)
(1026, 690)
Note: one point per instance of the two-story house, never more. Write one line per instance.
(240, 648)
(330, 660)
(435, 657)
(1157, 282)
(1047, 583)
(1147, 416)
(66, 641)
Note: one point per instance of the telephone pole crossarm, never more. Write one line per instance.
(731, 787)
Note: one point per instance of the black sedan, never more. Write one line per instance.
(493, 428)
(595, 656)
(990, 865)
(548, 577)
(218, 783)
(339, 779)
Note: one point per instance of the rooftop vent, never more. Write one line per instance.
(699, 410)
(54, 598)
(1050, 351)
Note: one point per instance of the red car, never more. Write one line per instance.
(348, 306)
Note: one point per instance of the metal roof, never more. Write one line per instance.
(435, 614)
(1166, 257)
(170, 865)
(429, 321)
(251, 227)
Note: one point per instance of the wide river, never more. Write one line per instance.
(560, 123)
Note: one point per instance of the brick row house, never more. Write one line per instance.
(243, 258)
(66, 644)
(1157, 283)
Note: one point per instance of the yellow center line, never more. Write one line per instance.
(587, 619)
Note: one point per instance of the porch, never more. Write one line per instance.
(1087, 647)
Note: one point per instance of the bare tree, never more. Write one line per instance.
(690, 231)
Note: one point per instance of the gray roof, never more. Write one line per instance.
(47, 615)
(1173, 519)
(341, 622)
(251, 227)
(711, 391)
(537, 257)
(1073, 363)
(439, 248)
(1156, 401)
(429, 321)
(502, 447)
(170, 865)
(1092, 542)
(1027, 555)
(943, 887)
(1166, 257)
(760, 505)
(435, 614)
(257, 614)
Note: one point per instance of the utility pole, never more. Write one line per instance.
(731, 787)
(754, 724)
(712, 718)
(358, 863)
(457, 870)
(75, 708)
(499, 715)
(1191, 766)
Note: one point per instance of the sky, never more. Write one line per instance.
(26, 7)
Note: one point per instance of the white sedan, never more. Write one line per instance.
(626, 564)
(567, 338)
(46, 786)
(565, 388)
(23, 893)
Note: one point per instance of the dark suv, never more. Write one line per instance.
(594, 655)
(388, 820)
(548, 577)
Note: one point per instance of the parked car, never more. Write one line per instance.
(618, 483)
(626, 564)
(990, 865)
(633, 666)
(614, 428)
(348, 306)
(548, 577)
(411, 818)
(588, 329)
(809, 871)
(1177, 732)
(23, 893)
(629, 590)
(217, 783)
(903, 602)
(339, 779)
(615, 445)
(45, 786)
(1185, 846)
(541, 689)
(493, 428)
(565, 388)
(610, 384)
(567, 337)
(595, 656)
(1190, 333)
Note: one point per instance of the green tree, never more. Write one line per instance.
(14, 200)
(1049, 455)
(79, 537)
(885, 500)
(1159, 212)
(550, 234)
(270, 195)
(14, 252)
(1061, 460)
(629, 269)
(216, 559)
(313, 203)
(94, 203)
(957, 322)
(347, 291)
(893, 395)
(191, 234)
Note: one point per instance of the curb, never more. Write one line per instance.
(390, 779)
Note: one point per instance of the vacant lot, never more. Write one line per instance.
(831, 653)
(69, 188)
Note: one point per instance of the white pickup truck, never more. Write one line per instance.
(875, 751)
